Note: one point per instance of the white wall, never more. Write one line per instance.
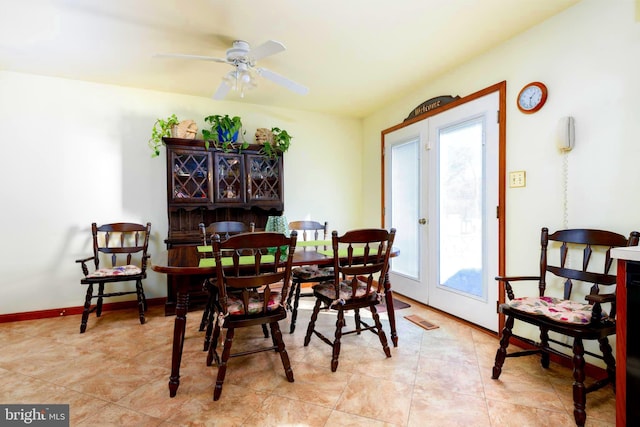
(589, 58)
(76, 152)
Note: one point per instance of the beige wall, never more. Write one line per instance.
(588, 58)
(76, 152)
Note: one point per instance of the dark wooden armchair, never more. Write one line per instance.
(124, 247)
(307, 231)
(570, 264)
(252, 290)
(360, 262)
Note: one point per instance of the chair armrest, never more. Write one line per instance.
(508, 279)
(516, 278)
(601, 298)
(596, 312)
(85, 269)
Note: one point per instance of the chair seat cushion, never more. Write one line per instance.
(557, 309)
(311, 272)
(124, 270)
(235, 306)
(327, 289)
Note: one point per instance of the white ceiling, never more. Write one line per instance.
(354, 55)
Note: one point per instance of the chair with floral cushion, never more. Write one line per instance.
(360, 263)
(224, 229)
(554, 310)
(312, 232)
(252, 290)
(123, 247)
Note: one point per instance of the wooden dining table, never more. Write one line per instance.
(184, 263)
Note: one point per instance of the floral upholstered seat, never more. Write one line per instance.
(328, 290)
(124, 270)
(560, 310)
(311, 272)
(235, 305)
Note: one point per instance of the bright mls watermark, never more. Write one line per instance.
(34, 415)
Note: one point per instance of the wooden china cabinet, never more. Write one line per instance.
(209, 185)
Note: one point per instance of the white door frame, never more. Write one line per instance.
(501, 174)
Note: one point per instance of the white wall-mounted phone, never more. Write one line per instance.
(565, 137)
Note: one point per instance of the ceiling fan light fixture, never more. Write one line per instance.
(244, 74)
(240, 80)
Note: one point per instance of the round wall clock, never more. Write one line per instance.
(532, 97)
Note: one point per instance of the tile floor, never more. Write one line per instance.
(116, 374)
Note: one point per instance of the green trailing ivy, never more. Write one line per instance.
(161, 128)
(280, 144)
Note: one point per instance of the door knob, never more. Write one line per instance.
(422, 221)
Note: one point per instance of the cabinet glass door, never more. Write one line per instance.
(190, 176)
(264, 183)
(229, 186)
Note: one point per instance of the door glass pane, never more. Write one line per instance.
(460, 208)
(405, 208)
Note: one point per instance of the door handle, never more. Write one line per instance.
(422, 221)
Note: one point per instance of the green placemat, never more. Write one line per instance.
(314, 243)
(227, 261)
(342, 252)
(209, 248)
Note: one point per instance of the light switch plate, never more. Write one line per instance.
(517, 179)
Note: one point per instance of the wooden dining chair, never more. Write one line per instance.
(565, 265)
(309, 231)
(225, 229)
(360, 263)
(252, 290)
(119, 256)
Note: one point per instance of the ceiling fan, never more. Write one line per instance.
(243, 59)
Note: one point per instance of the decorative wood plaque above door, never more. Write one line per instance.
(431, 104)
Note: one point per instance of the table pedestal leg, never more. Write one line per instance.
(388, 293)
(179, 327)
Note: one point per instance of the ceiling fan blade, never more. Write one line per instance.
(270, 47)
(283, 81)
(222, 91)
(184, 56)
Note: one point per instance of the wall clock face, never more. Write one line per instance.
(532, 97)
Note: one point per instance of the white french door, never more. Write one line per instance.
(441, 187)
(406, 207)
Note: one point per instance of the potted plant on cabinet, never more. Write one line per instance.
(224, 132)
(161, 128)
(278, 143)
